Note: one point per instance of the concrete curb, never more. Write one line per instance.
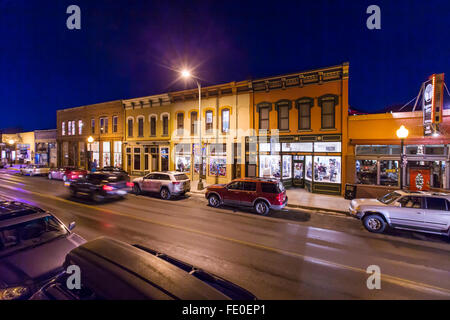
(294, 206)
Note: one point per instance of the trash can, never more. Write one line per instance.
(350, 191)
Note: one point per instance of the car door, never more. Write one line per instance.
(409, 214)
(247, 193)
(147, 182)
(437, 214)
(232, 195)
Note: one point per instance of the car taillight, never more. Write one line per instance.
(176, 182)
(108, 188)
(74, 176)
(280, 197)
(130, 184)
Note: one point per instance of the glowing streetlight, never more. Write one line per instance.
(402, 134)
(90, 139)
(186, 74)
(11, 141)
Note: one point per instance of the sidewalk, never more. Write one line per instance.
(300, 198)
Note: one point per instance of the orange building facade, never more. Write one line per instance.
(374, 155)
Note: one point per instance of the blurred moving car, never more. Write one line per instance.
(112, 169)
(33, 246)
(67, 173)
(167, 184)
(260, 193)
(99, 186)
(34, 170)
(427, 212)
(114, 270)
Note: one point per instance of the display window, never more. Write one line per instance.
(308, 168)
(218, 166)
(269, 166)
(183, 157)
(366, 171)
(327, 169)
(389, 173)
(287, 167)
(106, 154)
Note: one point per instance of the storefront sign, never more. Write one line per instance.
(432, 102)
(419, 179)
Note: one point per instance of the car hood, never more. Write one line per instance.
(216, 186)
(366, 202)
(140, 179)
(38, 263)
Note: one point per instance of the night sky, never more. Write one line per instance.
(129, 48)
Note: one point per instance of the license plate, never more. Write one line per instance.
(121, 192)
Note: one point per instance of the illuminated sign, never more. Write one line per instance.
(432, 103)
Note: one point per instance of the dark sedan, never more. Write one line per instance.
(33, 246)
(99, 186)
(114, 270)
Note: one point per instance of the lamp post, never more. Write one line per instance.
(90, 139)
(402, 134)
(187, 75)
(11, 143)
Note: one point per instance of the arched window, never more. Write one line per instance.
(153, 125)
(180, 123)
(194, 123)
(225, 120)
(208, 121)
(130, 127)
(140, 120)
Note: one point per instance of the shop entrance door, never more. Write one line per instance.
(298, 171)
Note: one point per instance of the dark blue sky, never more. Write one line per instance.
(127, 48)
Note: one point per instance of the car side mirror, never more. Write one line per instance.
(72, 225)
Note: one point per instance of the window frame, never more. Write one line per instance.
(194, 123)
(180, 123)
(130, 128)
(306, 102)
(140, 123)
(209, 126)
(229, 120)
(278, 106)
(115, 123)
(328, 98)
(152, 126)
(165, 125)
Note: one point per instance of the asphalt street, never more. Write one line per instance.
(288, 255)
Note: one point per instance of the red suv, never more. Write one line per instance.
(261, 194)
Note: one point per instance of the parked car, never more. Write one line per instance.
(100, 186)
(33, 246)
(418, 211)
(66, 173)
(34, 170)
(167, 184)
(260, 193)
(114, 270)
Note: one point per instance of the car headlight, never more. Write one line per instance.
(13, 293)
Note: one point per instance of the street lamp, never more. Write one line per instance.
(402, 134)
(186, 74)
(90, 139)
(10, 142)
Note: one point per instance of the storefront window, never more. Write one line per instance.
(309, 167)
(198, 159)
(95, 148)
(218, 166)
(118, 154)
(183, 157)
(388, 173)
(327, 169)
(298, 170)
(106, 154)
(366, 171)
(269, 166)
(287, 167)
(327, 147)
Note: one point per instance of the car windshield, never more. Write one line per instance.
(389, 198)
(281, 187)
(179, 177)
(29, 234)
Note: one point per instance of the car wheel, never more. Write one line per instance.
(73, 193)
(137, 189)
(49, 176)
(262, 208)
(165, 194)
(96, 197)
(374, 223)
(214, 201)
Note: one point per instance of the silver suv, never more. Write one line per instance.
(167, 184)
(418, 211)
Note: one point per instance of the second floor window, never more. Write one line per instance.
(115, 121)
(130, 127)
(225, 120)
(264, 118)
(165, 124)
(283, 117)
(140, 127)
(80, 127)
(304, 114)
(208, 121)
(328, 105)
(180, 123)
(103, 125)
(92, 126)
(153, 126)
(63, 128)
(194, 121)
